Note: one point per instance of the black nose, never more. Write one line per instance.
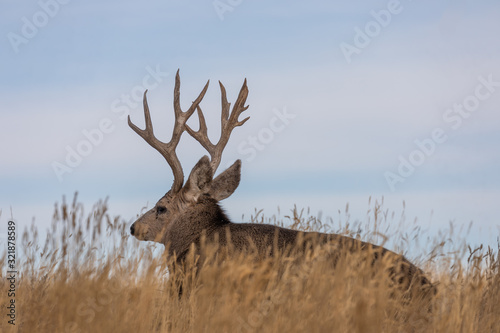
(132, 229)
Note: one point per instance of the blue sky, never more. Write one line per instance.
(69, 67)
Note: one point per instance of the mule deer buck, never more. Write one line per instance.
(191, 210)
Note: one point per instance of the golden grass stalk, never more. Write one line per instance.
(89, 276)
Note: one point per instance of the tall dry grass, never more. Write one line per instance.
(88, 275)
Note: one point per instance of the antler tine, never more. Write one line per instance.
(167, 149)
(228, 123)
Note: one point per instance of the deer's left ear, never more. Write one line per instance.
(226, 183)
(199, 180)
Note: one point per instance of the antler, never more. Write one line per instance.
(167, 149)
(228, 123)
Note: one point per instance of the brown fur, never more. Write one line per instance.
(180, 220)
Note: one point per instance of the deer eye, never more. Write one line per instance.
(161, 210)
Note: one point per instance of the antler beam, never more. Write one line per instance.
(228, 123)
(167, 149)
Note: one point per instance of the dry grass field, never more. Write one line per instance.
(89, 275)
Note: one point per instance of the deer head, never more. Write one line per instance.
(190, 207)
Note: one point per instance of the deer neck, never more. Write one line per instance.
(206, 216)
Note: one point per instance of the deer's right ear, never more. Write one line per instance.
(199, 180)
(226, 183)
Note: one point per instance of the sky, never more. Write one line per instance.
(390, 100)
